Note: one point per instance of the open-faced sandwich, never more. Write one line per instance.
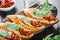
(5, 34)
(44, 14)
(17, 30)
(29, 23)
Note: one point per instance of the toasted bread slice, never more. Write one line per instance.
(2, 38)
(28, 13)
(14, 19)
(27, 21)
(3, 26)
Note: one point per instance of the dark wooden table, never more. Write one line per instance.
(53, 29)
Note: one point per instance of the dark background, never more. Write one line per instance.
(52, 29)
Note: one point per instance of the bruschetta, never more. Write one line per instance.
(46, 18)
(15, 19)
(5, 34)
(17, 29)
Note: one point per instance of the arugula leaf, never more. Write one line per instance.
(44, 10)
(47, 38)
(4, 33)
(57, 37)
(12, 26)
(38, 13)
(25, 19)
(34, 12)
(46, 7)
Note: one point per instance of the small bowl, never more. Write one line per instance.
(8, 8)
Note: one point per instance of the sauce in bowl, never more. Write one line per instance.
(6, 3)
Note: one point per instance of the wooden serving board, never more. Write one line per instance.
(22, 13)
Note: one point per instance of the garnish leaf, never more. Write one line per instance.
(38, 13)
(4, 33)
(46, 7)
(12, 26)
(26, 19)
(45, 10)
(17, 33)
(47, 38)
(57, 37)
(34, 12)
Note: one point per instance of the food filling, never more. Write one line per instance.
(14, 37)
(26, 33)
(18, 29)
(35, 23)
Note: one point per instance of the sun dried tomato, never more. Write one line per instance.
(6, 3)
(35, 23)
(50, 18)
(24, 32)
(14, 37)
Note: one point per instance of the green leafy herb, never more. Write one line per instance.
(46, 7)
(4, 33)
(38, 13)
(18, 33)
(34, 12)
(46, 14)
(57, 37)
(25, 19)
(45, 10)
(12, 26)
(47, 38)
